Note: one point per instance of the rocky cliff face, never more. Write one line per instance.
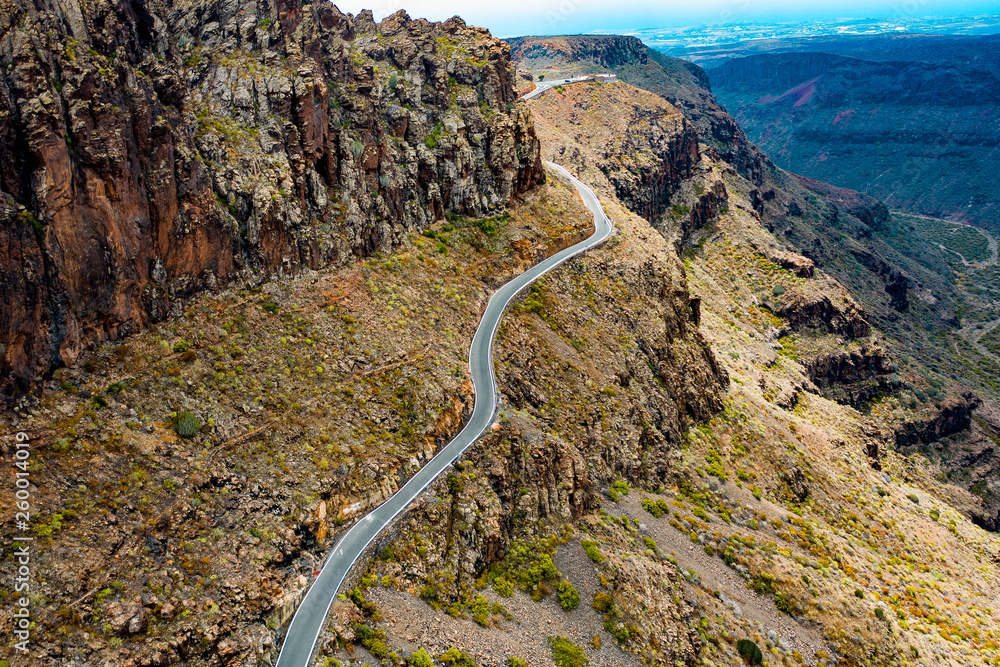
(605, 52)
(683, 84)
(852, 375)
(953, 416)
(152, 151)
(642, 147)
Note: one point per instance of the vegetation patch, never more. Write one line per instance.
(567, 654)
(750, 652)
(187, 425)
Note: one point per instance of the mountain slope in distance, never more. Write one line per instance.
(914, 131)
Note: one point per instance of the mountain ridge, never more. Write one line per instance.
(910, 131)
(149, 156)
(741, 426)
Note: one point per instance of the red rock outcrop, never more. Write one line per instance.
(155, 149)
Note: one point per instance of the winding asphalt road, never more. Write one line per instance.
(304, 630)
(542, 86)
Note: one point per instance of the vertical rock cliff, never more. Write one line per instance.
(152, 149)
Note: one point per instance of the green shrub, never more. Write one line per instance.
(777, 290)
(621, 486)
(181, 346)
(590, 547)
(542, 570)
(373, 640)
(514, 661)
(618, 631)
(489, 225)
(750, 652)
(393, 81)
(357, 148)
(567, 654)
(367, 608)
(935, 514)
(763, 584)
(879, 613)
(715, 467)
(187, 425)
(650, 506)
(569, 597)
(859, 594)
(378, 648)
(783, 603)
(913, 498)
(432, 139)
(481, 610)
(455, 658)
(503, 587)
(421, 658)
(602, 602)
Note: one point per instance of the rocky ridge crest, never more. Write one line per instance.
(153, 151)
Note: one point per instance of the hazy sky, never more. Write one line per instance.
(540, 17)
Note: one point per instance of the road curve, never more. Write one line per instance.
(304, 629)
(542, 86)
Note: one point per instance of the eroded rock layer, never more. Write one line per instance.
(155, 149)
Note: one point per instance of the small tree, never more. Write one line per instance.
(187, 425)
(750, 652)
